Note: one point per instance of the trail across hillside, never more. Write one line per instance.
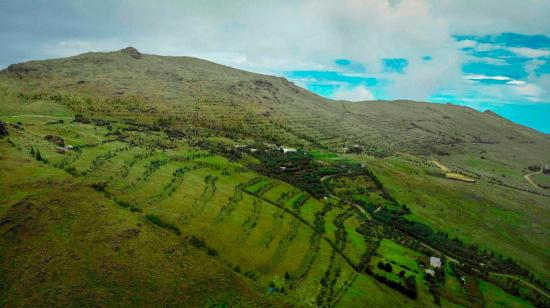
(453, 175)
(526, 283)
(528, 178)
(34, 115)
(440, 166)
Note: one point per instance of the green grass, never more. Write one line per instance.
(65, 243)
(84, 240)
(366, 291)
(399, 254)
(356, 246)
(496, 297)
(541, 179)
(401, 258)
(263, 240)
(491, 216)
(277, 247)
(159, 222)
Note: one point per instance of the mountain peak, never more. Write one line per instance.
(133, 52)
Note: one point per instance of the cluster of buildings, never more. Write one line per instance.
(435, 262)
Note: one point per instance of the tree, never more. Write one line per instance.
(388, 268)
(3, 129)
(38, 155)
(410, 282)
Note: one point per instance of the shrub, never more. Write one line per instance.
(197, 242)
(157, 221)
(71, 170)
(100, 186)
(211, 251)
(127, 205)
(38, 156)
(200, 243)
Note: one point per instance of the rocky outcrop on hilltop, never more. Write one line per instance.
(132, 52)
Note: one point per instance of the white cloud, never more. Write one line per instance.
(530, 52)
(494, 16)
(274, 36)
(69, 48)
(467, 44)
(530, 91)
(271, 37)
(359, 93)
(487, 47)
(485, 77)
(516, 82)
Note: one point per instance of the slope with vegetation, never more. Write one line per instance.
(148, 179)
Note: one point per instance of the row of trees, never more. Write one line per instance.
(408, 287)
(298, 168)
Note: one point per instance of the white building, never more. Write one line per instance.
(288, 150)
(435, 262)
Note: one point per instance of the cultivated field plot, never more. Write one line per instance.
(481, 212)
(261, 228)
(276, 238)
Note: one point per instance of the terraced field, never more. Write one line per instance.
(197, 194)
(280, 239)
(166, 184)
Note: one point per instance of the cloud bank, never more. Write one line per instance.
(454, 50)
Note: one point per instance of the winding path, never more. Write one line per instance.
(528, 178)
(527, 283)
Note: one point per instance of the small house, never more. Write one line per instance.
(435, 262)
(288, 150)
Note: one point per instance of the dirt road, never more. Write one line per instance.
(528, 178)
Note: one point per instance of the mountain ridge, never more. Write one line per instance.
(188, 92)
(289, 196)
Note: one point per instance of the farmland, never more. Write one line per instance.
(167, 198)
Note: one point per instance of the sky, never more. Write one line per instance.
(491, 54)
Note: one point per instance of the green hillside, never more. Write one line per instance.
(143, 180)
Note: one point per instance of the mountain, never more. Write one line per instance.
(175, 86)
(145, 180)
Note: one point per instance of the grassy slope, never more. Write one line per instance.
(67, 236)
(498, 298)
(492, 216)
(183, 88)
(63, 236)
(63, 243)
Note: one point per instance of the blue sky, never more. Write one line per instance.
(491, 54)
(510, 64)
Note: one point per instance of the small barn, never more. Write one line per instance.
(435, 262)
(288, 150)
